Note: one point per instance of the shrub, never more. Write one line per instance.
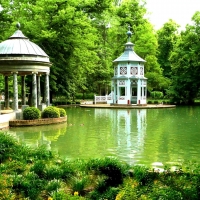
(156, 95)
(51, 112)
(79, 183)
(62, 112)
(156, 102)
(110, 193)
(30, 113)
(111, 168)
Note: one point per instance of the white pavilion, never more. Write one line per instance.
(128, 83)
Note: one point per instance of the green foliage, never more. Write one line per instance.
(31, 113)
(156, 95)
(85, 96)
(31, 185)
(79, 183)
(53, 186)
(54, 172)
(62, 112)
(185, 64)
(51, 112)
(109, 193)
(112, 168)
(167, 37)
(39, 169)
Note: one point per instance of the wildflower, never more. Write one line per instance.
(120, 195)
(76, 193)
(49, 198)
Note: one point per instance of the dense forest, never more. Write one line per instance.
(82, 38)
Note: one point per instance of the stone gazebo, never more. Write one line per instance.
(21, 57)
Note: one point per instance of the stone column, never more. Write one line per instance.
(7, 100)
(46, 90)
(38, 90)
(34, 90)
(23, 90)
(15, 92)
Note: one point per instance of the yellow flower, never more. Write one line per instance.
(119, 195)
(75, 193)
(49, 198)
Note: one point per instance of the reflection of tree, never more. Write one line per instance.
(33, 136)
(39, 133)
(55, 131)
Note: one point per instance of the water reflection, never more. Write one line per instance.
(39, 135)
(152, 137)
(129, 129)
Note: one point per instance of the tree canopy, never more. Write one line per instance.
(82, 38)
(185, 61)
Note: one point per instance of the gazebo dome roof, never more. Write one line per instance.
(19, 54)
(19, 44)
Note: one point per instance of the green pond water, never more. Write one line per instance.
(153, 137)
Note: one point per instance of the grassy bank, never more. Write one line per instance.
(27, 173)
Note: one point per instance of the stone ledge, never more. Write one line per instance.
(37, 122)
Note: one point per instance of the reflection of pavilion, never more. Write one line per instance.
(129, 126)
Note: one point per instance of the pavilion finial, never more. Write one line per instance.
(18, 25)
(129, 33)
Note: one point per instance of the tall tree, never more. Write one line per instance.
(185, 61)
(64, 32)
(167, 37)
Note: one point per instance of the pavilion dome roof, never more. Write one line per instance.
(129, 54)
(19, 44)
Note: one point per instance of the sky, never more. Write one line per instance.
(180, 11)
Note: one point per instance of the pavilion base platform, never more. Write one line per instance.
(128, 106)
